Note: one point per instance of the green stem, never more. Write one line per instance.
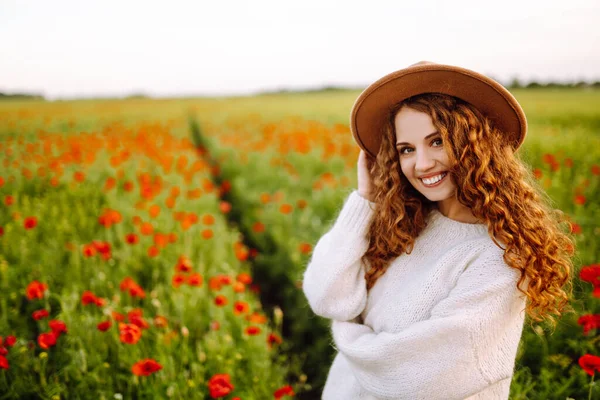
(591, 385)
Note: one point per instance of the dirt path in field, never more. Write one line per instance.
(300, 328)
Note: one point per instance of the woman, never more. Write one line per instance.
(431, 264)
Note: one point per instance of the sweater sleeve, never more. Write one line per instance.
(334, 282)
(468, 343)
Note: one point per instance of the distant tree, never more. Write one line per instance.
(20, 96)
(137, 96)
(515, 83)
(533, 85)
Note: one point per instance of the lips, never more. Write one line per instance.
(444, 175)
(431, 175)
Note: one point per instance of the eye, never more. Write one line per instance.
(436, 140)
(404, 148)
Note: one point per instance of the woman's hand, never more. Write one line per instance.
(365, 182)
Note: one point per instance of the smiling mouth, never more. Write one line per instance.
(436, 183)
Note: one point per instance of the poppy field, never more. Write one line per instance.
(155, 248)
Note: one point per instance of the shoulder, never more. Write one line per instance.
(479, 246)
(483, 252)
(487, 260)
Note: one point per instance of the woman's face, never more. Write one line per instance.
(422, 156)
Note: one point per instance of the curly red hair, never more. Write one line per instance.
(495, 184)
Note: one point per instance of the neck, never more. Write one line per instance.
(453, 209)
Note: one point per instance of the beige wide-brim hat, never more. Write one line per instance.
(372, 107)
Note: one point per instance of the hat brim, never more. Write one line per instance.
(371, 109)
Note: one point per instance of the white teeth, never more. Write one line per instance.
(433, 179)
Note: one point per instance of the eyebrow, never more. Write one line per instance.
(426, 137)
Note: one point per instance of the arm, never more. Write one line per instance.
(334, 282)
(469, 342)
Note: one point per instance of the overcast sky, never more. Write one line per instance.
(84, 48)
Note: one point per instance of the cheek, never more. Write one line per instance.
(405, 169)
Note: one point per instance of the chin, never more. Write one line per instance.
(436, 198)
(437, 195)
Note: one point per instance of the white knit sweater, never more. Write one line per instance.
(443, 322)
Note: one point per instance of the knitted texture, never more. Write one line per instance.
(443, 322)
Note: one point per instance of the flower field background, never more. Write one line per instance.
(155, 248)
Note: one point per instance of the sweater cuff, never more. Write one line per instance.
(355, 214)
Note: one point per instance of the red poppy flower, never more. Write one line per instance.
(253, 330)
(30, 222)
(89, 250)
(195, 279)
(101, 246)
(273, 339)
(10, 341)
(177, 280)
(258, 227)
(3, 362)
(117, 316)
(132, 238)
(183, 264)
(153, 251)
(136, 312)
(58, 327)
(160, 321)
(215, 283)
(284, 391)
(220, 300)
(242, 254)
(132, 287)
(129, 333)
(305, 248)
(47, 340)
(220, 385)
(579, 199)
(104, 325)
(255, 288)
(244, 278)
(126, 283)
(139, 321)
(589, 363)
(9, 200)
(39, 314)
(146, 367)
(590, 273)
(589, 322)
(90, 298)
(35, 290)
(239, 287)
(137, 291)
(224, 207)
(257, 318)
(253, 253)
(240, 307)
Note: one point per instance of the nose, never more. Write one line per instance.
(424, 162)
